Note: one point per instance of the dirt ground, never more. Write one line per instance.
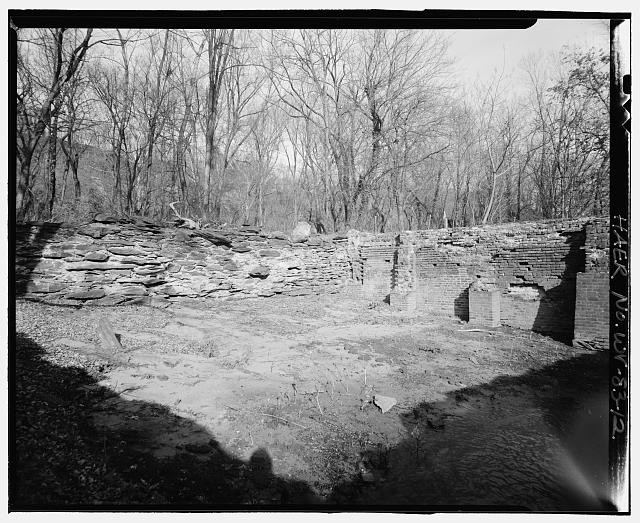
(272, 401)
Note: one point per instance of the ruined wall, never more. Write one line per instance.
(107, 264)
(592, 290)
(550, 277)
(533, 267)
(373, 259)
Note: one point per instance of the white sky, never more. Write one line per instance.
(480, 52)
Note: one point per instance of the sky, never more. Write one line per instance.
(480, 52)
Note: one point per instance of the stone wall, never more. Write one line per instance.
(111, 263)
(533, 267)
(549, 277)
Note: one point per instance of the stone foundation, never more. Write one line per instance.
(549, 277)
(107, 264)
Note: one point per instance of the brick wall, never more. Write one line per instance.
(592, 289)
(484, 306)
(532, 265)
(592, 308)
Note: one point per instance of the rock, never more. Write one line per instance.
(54, 253)
(299, 292)
(269, 253)
(143, 261)
(96, 256)
(277, 235)
(216, 287)
(197, 255)
(124, 251)
(81, 248)
(158, 301)
(279, 243)
(28, 253)
(294, 264)
(265, 293)
(97, 278)
(339, 236)
(261, 271)
(97, 232)
(384, 403)
(240, 248)
(176, 290)
(301, 232)
(108, 338)
(46, 287)
(151, 282)
(93, 294)
(104, 218)
(108, 301)
(315, 241)
(143, 221)
(120, 242)
(148, 271)
(250, 228)
(139, 300)
(216, 239)
(230, 266)
(134, 291)
(100, 266)
(172, 268)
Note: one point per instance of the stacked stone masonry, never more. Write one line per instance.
(126, 263)
(550, 277)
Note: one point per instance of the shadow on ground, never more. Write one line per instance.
(532, 442)
(60, 459)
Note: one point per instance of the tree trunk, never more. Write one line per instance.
(23, 193)
(76, 180)
(436, 193)
(519, 189)
(489, 208)
(51, 165)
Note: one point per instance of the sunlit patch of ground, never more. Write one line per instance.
(481, 417)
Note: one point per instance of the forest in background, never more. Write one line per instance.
(365, 129)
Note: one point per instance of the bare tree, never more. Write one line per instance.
(39, 100)
(219, 47)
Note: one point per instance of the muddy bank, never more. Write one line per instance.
(248, 403)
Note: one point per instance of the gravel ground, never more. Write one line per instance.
(452, 387)
(61, 460)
